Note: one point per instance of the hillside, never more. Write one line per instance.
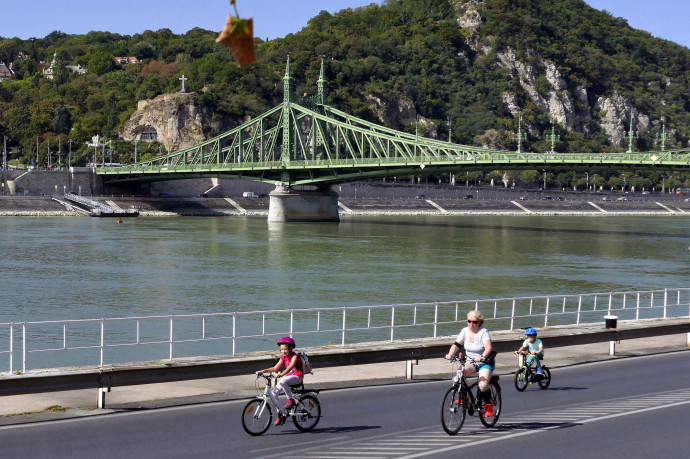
(477, 64)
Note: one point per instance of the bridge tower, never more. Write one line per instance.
(287, 204)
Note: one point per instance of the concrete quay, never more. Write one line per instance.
(36, 206)
(19, 409)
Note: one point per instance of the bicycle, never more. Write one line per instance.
(459, 400)
(526, 374)
(258, 414)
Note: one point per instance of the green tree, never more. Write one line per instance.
(101, 62)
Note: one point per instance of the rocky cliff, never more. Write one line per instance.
(177, 120)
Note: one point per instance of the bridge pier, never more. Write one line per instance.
(288, 205)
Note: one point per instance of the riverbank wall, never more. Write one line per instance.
(36, 206)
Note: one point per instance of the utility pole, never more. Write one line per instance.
(632, 135)
(37, 152)
(663, 135)
(4, 154)
(59, 153)
(69, 163)
(450, 131)
(553, 137)
(519, 134)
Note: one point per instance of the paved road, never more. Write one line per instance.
(628, 407)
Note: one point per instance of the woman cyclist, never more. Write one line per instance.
(477, 343)
(291, 375)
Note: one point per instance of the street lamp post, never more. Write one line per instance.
(4, 154)
(587, 174)
(70, 153)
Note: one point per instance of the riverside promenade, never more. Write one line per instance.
(19, 409)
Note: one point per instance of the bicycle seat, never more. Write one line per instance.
(299, 385)
(494, 378)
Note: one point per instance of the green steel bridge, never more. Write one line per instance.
(303, 141)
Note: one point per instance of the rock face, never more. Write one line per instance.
(175, 120)
(551, 98)
(394, 112)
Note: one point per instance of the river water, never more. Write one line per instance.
(82, 268)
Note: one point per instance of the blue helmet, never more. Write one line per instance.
(530, 331)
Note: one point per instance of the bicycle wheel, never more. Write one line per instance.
(307, 414)
(453, 410)
(546, 378)
(521, 380)
(495, 390)
(256, 417)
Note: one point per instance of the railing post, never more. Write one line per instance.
(435, 318)
(579, 309)
(171, 337)
(512, 315)
(11, 347)
(665, 301)
(637, 307)
(318, 320)
(610, 302)
(102, 339)
(392, 321)
(234, 334)
(64, 336)
(24, 347)
(292, 321)
(546, 314)
(344, 325)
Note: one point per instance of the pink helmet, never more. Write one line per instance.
(286, 340)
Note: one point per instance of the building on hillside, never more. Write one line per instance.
(48, 72)
(6, 73)
(127, 60)
(77, 69)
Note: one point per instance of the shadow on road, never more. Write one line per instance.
(343, 429)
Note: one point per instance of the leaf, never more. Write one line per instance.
(239, 27)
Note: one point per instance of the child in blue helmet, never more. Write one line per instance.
(535, 348)
(290, 376)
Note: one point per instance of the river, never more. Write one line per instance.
(79, 268)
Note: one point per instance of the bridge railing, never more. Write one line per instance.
(133, 339)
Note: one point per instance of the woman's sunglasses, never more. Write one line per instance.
(472, 321)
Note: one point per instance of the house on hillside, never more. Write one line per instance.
(48, 72)
(78, 69)
(127, 60)
(6, 73)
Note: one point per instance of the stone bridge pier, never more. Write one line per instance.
(288, 205)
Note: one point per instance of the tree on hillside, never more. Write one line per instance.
(101, 62)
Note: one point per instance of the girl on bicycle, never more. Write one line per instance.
(292, 375)
(477, 343)
(535, 348)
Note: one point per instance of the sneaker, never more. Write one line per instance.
(488, 410)
(290, 402)
(539, 370)
(280, 420)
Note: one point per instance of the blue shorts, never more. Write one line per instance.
(491, 366)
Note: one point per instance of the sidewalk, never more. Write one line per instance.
(19, 409)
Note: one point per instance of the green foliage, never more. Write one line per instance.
(101, 62)
(408, 53)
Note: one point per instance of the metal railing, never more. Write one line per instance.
(236, 332)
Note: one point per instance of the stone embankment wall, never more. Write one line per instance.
(47, 183)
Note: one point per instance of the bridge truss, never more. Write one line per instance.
(303, 141)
